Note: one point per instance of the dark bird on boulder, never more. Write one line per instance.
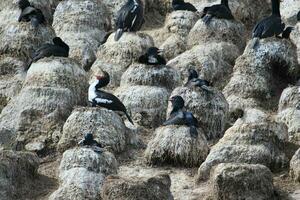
(130, 18)
(89, 141)
(152, 57)
(30, 13)
(180, 117)
(104, 99)
(193, 80)
(59, 48)
(181, 5)
(286, 33)
(221, 11)
(270, 26)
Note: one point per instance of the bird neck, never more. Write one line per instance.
(176, 108)
(225, 2)
(276, 7)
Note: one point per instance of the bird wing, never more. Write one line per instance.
(129, 15)
(109, 101)
(176, 119)
(268, 27)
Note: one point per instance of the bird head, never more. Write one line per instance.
(23, 4)
(103, 80)
(154, 51)
(177, 102)
(192, 74)
(88, 136)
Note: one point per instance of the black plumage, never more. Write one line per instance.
(30, 13)
(221, 11)
(193, 80)
(286, 33)
(59, 48)
(180, 117)
(270, 26)
(104, 99)
(130, 18)
(181, 5)
(152, 57)
(89, 141)
(298, 16)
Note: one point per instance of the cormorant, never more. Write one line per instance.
(193, 80)
(298, 16)
(58, 48)
(30, 13)
(180, 117)
(221, 11)
(89, 141)
(130, 18)
(270, 26)
(98, 97)
(181, 5)
(286, 33)
(152, 57)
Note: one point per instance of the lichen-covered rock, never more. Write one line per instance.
(260, 72)
(289, 111)
(147, 104)
(295, 37)
(295, 166)
(289, 10)
(209, 107)
(160, 76)
(118, 188)
(218, 30)
(82, 172)
(174, 145)
(82, 25)
(106, 126)
(233, 181)
(52, 88)
(214, 62)
(18, 171)
(261, 142)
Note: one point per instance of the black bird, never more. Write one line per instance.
(193, 80)
(270, 26)
(98, 97)
(180, 117)
(152, 57)
(130, 18)
(181, 5)
(30, 13)
(58, 48)
(298, 16)
(221, 11)
(89, 141)
(286, 33)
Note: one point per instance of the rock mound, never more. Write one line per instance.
(106, 126)
(118, 188)
(295, 166)
(174, 145)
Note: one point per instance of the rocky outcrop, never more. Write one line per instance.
(82, 25)
(295, 166)
(261, 142)
(118, 188)
(231, 181)
(106, 126)
(52, 88)
(174, 145)
(289, 112)
(209, 107)
(295, 35)
(289, 10)
(18, 172)
(82, 172)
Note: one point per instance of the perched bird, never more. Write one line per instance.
(98, 97)
(298, 16)
(130, 18)
(286, 33)
(152, 57)
(180, 117)
(89, 141)
(58, 48)
(30, 13)
(221, 11)
(193, 80)
(181, 5)
(270, 26)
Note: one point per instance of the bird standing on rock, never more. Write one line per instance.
(286, 33)
(180, 117)
(270, 26)
(221, 11)
(98, 97)
(193, 80)
(59, 48)
(130, 18)
(181, 5)
(152, 57)
(89, 141)
(30, 13)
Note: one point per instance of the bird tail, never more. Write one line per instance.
(193, 131)
(118, 34)
(129, 118)
(34, 22)
(207, 18)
